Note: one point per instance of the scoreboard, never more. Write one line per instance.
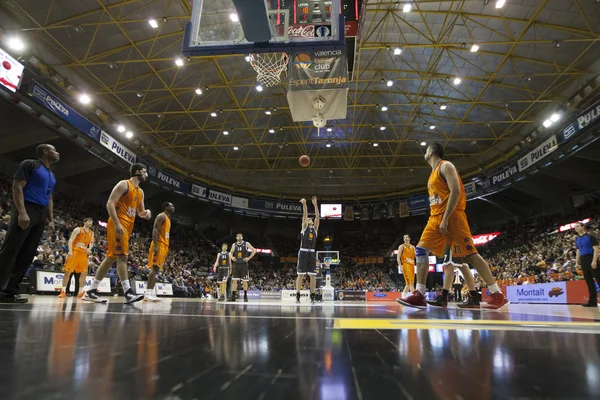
(319, 12)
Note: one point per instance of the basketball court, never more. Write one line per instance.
(185, 349)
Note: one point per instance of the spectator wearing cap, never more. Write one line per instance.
(32, 190)
(587, 256)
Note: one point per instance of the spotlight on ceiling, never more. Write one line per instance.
(423, 144)
(236, 148)
(120, 129)
(397, 51)
(390, 83)
(129, 135)
(407, 7)
(15, 43)
(268, 112)
(382, 128)
(234, 17)
(500, 3)
(442, 107)
(153, 23)
(259, 88)
(271, 130)
(555, 117)
(474, 48)
(225, 133)
(384, 108)
(247, 58)
(375, 144)
(328, 144)
(198, 91)
(213, 114)
(85, 98)
(179, 62)
(432, 127)
(457, 80)
(547, 123)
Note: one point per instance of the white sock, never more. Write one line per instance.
(95, 284)
(421, 288)
(494, 288)
(125, 285)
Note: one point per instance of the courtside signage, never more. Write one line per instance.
(117, 148)
(538, 153)
(589, 116)
(551, 293)
(11, 71)
(52, 103)
(162, 289)
(52, 282)
(289, 296)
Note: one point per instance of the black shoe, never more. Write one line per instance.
(13, 299)
(245, 298)
(312, 298)
(590, 305)
(130, 297)
(470, 302)
(222, 298)
(92, 296)
(297, 297)
(440, 301)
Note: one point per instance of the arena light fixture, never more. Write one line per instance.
(120, 128)
(423, 144)
(432, 127)
(382, 128)
(384, 108)
(442, 107)
(213, 114)
(247, 58)
(225, 133)
(457, 80)
(129, 135)
(179, 62)
(268, 112)
(15, 43)
(474, 48)
(375, 144)
(390, 83)
(397, 51)
(84, 98)
(234, 17)
(555, 117)
(500, 3)
(259, 88)
(271, 130)
(407, 7)
(328, 144)
(153, 23)
(547, 123)
(329, 129)
(198, 91)
(236, 148)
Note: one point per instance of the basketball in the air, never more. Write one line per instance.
(304, 160)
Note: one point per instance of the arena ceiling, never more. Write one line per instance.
(533, 55)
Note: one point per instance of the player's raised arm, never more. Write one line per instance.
(317, 215)
(304, 214)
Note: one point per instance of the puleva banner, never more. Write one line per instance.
(117, 148)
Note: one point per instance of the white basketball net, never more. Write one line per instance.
(269, 67)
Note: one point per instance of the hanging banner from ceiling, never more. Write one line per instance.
(11, 71)
(219, 197)
(276, 207)
(418, 202)
(54, 104)
(198, 191)
(538, 153)
(500, 177)
(117, 148)
(163, 178)
(239, 202)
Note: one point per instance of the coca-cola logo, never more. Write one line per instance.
(301, 31)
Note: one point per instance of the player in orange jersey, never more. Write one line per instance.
(159, 247)
(80, 247)
(125, 201)
(447, 225)
(406, 262)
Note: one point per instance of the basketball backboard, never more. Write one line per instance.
(220, 27)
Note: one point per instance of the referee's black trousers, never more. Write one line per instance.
(19, 248)
(589, 274)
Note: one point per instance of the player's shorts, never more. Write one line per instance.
(408, 270)
(450, 258)
(307, 263)
(222, 274)
(118, 245)
(240, 271)
(77, 263)
(459, 234)
(163, 250)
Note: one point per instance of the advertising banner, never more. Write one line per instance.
(52, 103)
(239, 202)
(52, 282)
(276, 207)
(219, 197)
(549, 293)
(577, 292)
(254, 294)
(163, 289)
(538, 153)
(11, 72)
(383, 296)
(165, 179)
(289, 296)
(470, 188)
(350, 295)
(418, 202)
(500, 177)
(267, 294)
(403, 210)
(198, 191)
(480, 240)
(318, 70)
(584, 119)
(117, 148)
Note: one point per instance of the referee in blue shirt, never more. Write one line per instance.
(32, 190)
(587, 257)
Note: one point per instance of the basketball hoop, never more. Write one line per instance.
(269, 67)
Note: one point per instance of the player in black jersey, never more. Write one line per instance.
(319, 281)
(450, 264)
(223, 269)
(307, 257)
(241, 253)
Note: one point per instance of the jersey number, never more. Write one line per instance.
(457, 249)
